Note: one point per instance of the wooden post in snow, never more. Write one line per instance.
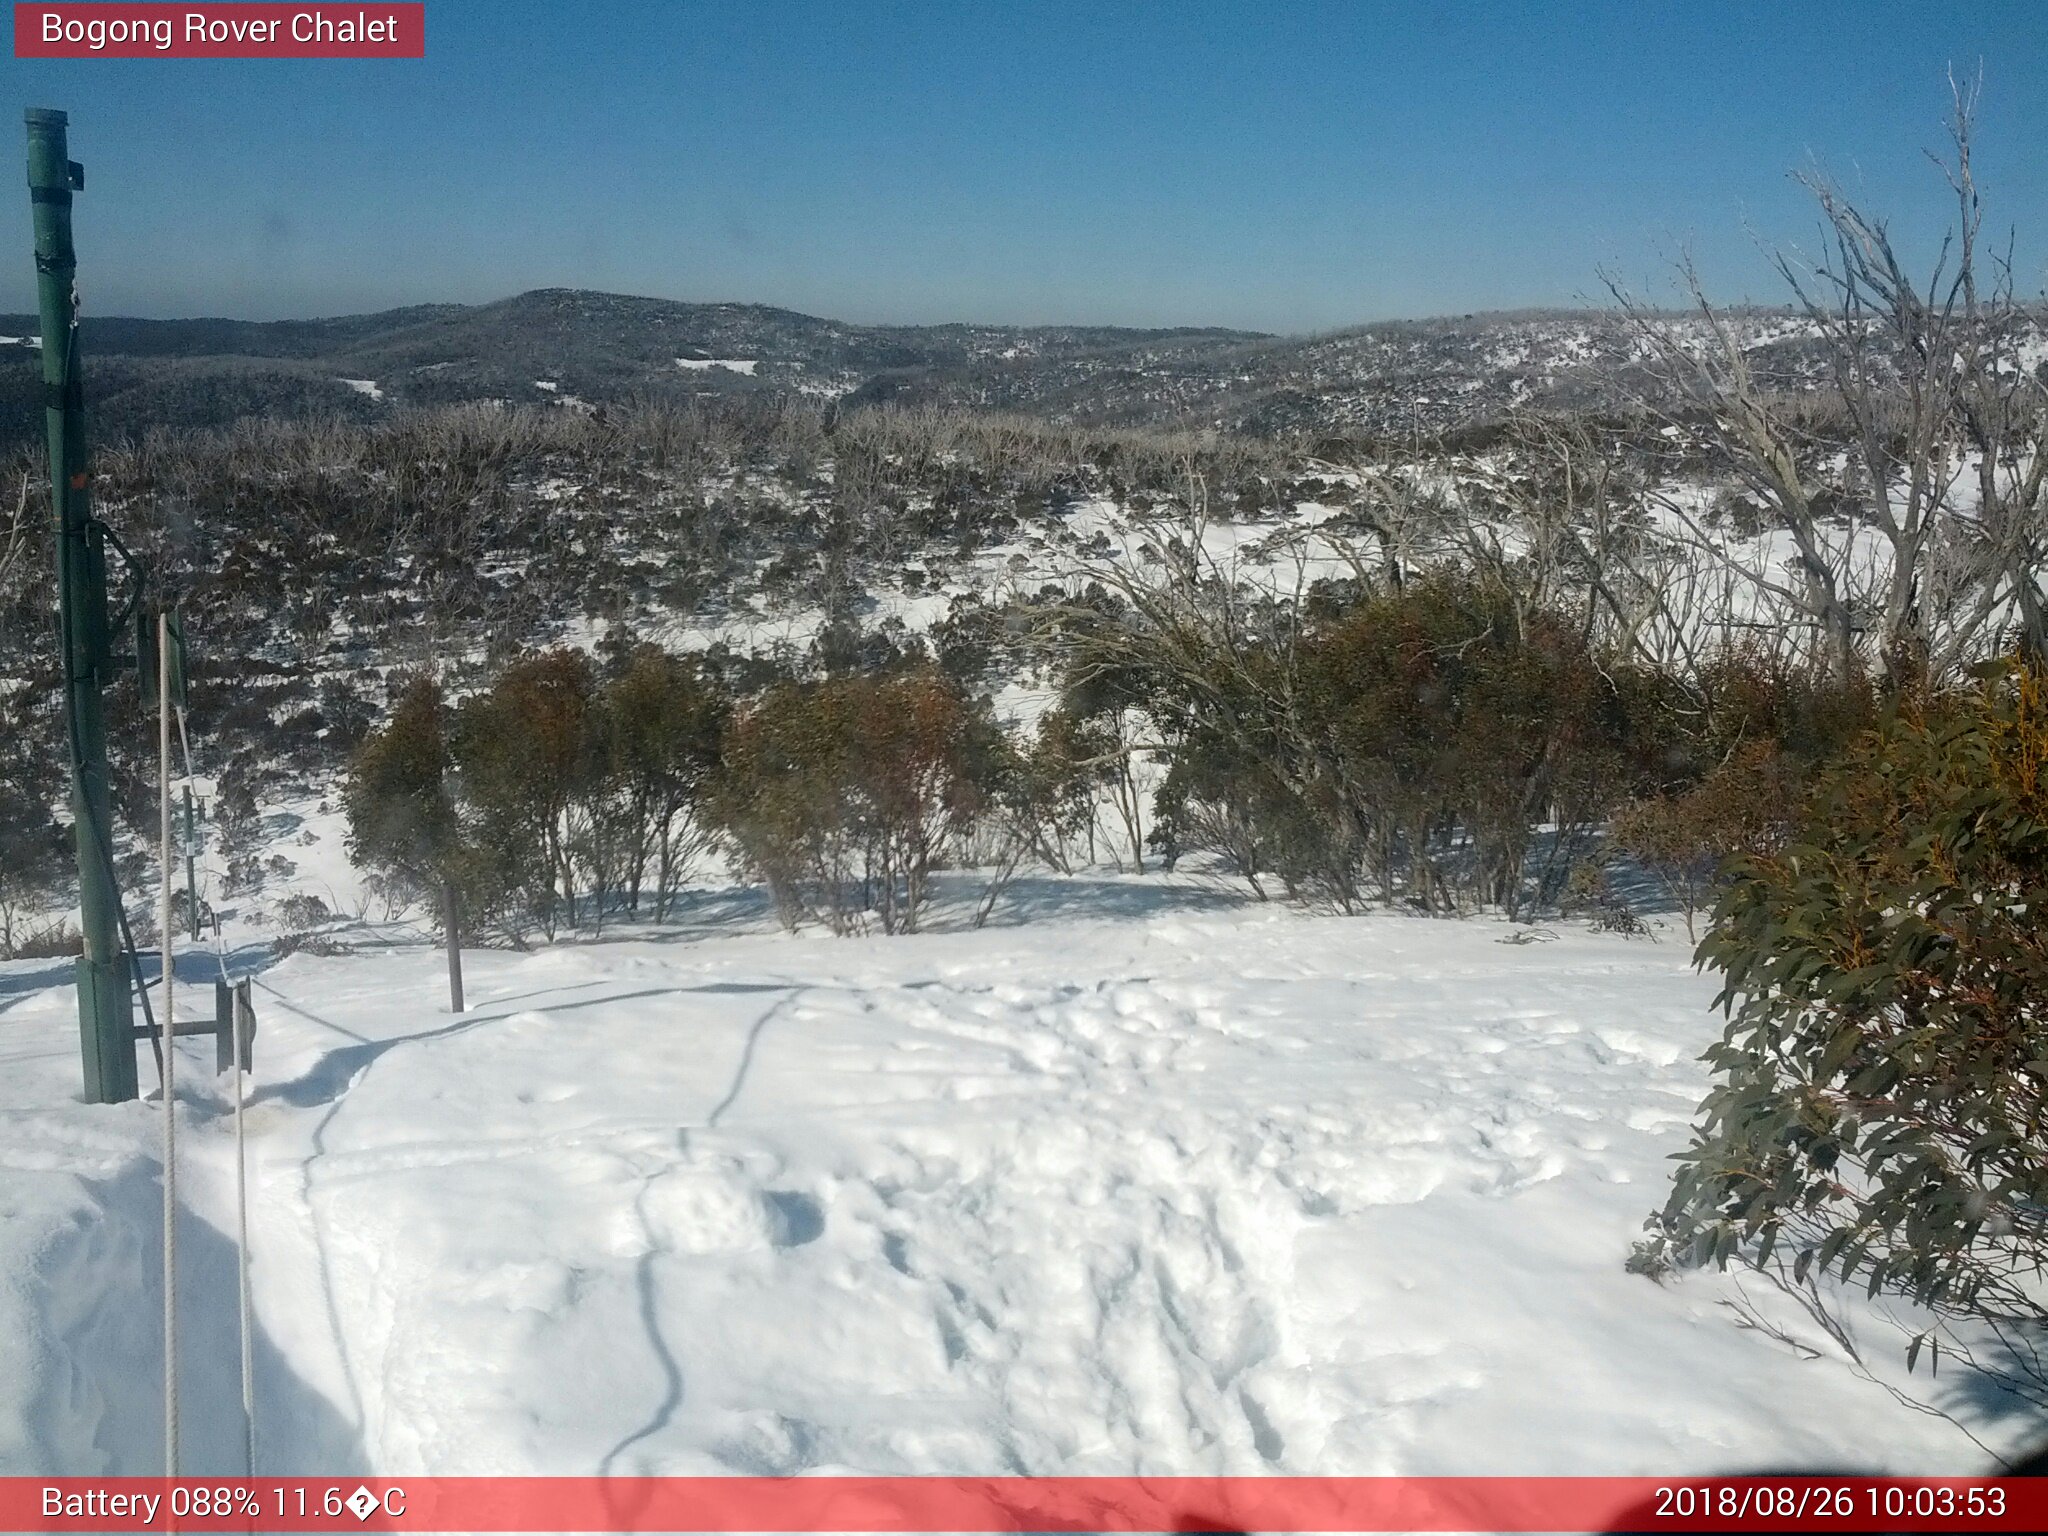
(451, 926)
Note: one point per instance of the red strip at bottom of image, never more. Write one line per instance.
(1103, 1504)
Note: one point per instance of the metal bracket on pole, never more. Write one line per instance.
(233, 1025)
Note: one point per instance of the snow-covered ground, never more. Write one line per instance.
(1150, 1179)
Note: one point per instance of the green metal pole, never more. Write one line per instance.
(105, 1030)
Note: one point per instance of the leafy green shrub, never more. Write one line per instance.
(1685, 839)
(401, 817)
(406, 823)
(550, 796)
(33, 865)
(528, 750)
(1416, 741)
(842, 794)
(1219, 796)
(1738, 747)
(1051, 791)
(302, 918)
(1882, 1104)
(48, 940)
(1748, 696)
(662, 723)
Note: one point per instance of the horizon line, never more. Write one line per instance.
(1511, 312)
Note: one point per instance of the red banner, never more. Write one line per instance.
(1001, 1504)
(220, 31)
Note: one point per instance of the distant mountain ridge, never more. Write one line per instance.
(588, 346)
(577, 348)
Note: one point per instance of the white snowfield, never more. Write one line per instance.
(1154, 1181)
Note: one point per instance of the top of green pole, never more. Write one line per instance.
(49, 171)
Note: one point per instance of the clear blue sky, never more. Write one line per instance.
(1276, 165)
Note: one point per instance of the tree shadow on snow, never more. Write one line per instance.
(15, 984)
(708, 914)
(21, 986)
(199, 969)
(693, 916)
(1035, 898)
(196, 969)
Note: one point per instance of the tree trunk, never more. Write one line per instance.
(451, 924)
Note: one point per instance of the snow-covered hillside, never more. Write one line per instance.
(1160, 1180)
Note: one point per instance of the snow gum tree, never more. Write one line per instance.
(1912, 490)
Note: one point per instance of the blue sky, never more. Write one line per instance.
(1278, 166)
